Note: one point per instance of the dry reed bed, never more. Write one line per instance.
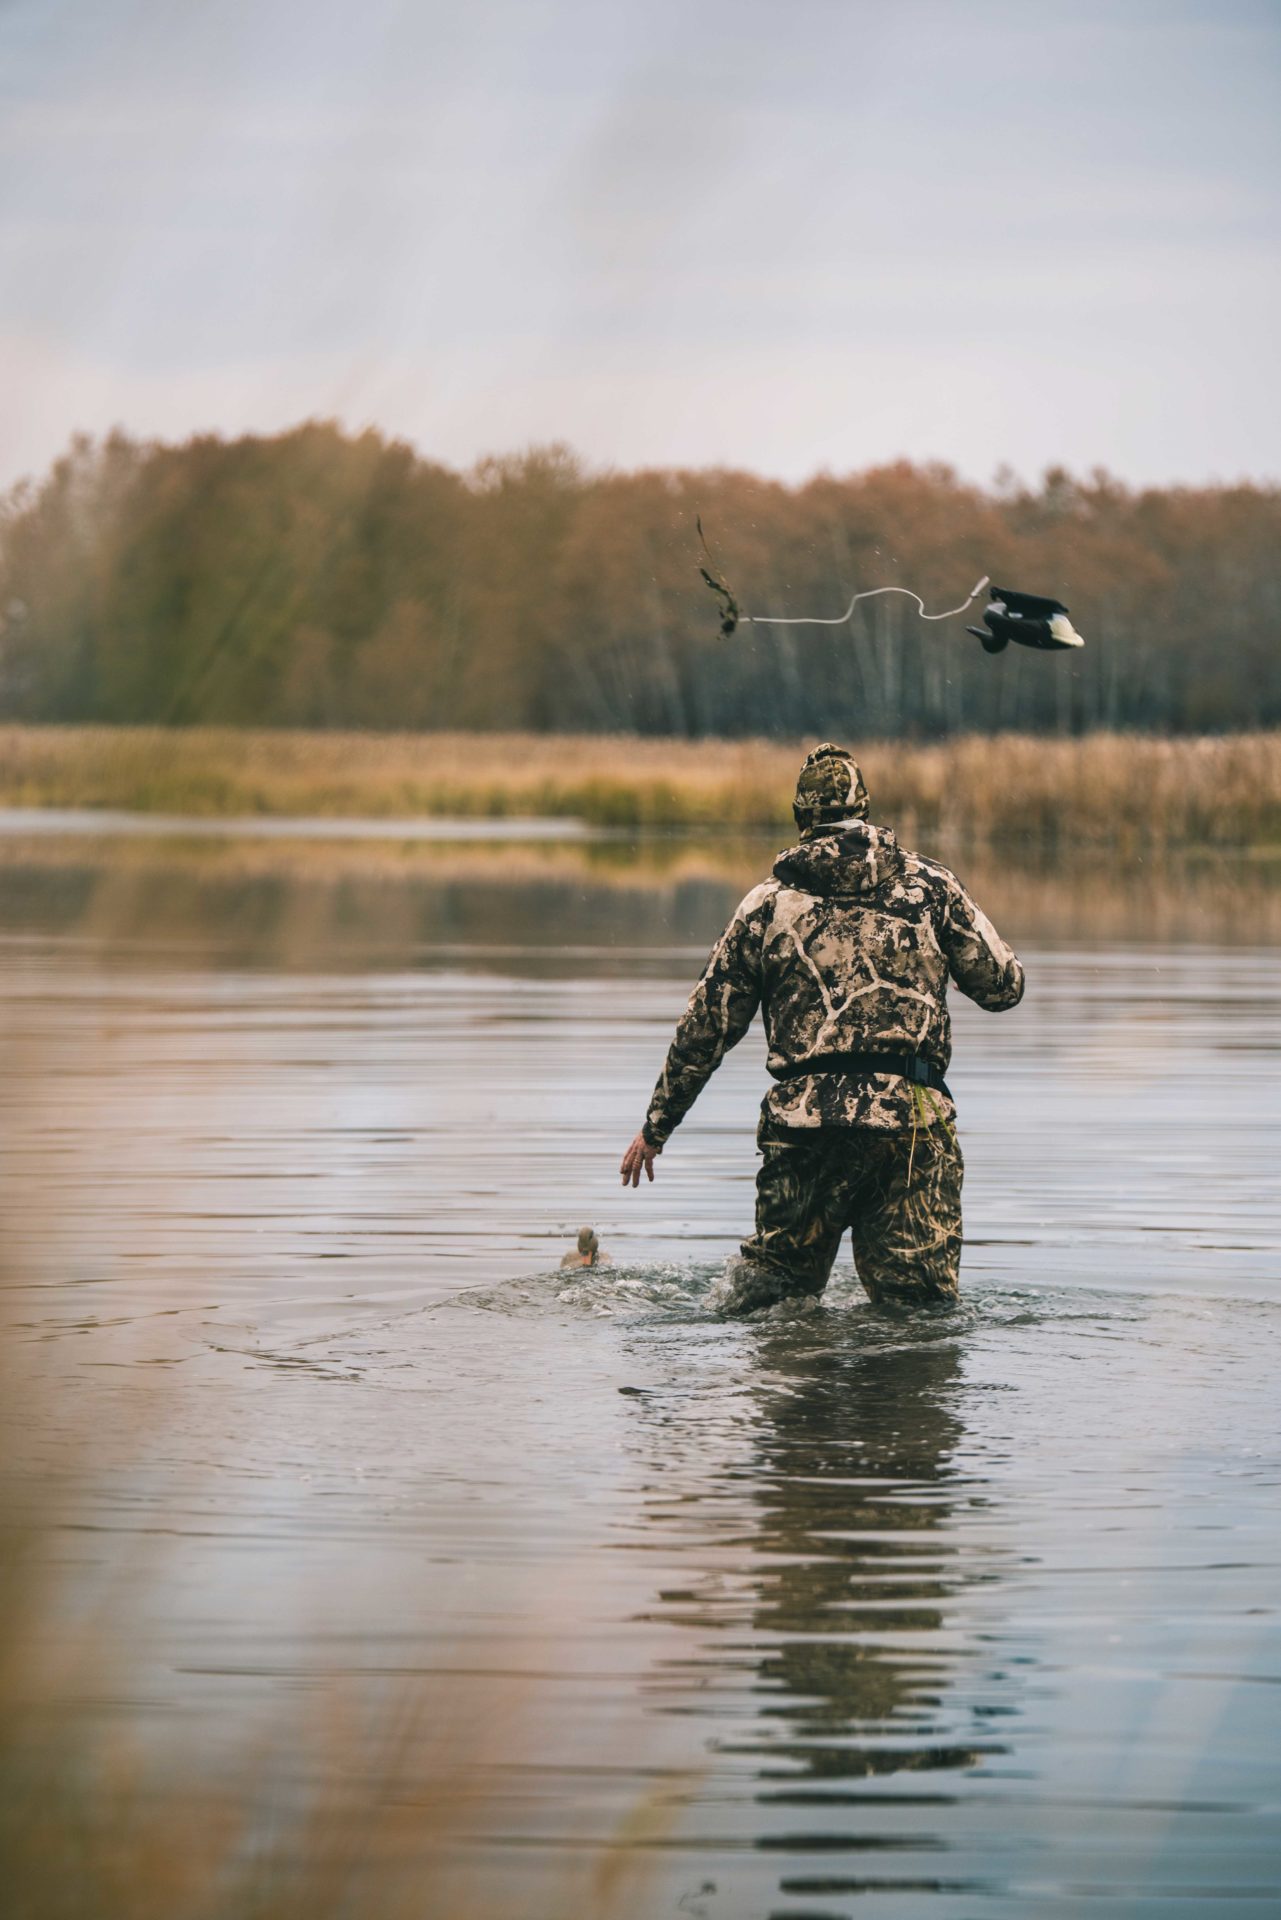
(1102, 787)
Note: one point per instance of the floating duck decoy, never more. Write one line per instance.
(587, 1253)
(1026, 618)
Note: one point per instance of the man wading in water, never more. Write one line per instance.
(847, 948)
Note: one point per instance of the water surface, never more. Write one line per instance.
(565, 1595)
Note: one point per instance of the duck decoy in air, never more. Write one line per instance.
(1027, 618)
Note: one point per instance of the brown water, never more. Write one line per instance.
(357, 1532)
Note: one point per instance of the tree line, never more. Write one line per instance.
(316, 578)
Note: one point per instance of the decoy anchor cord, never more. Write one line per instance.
(869, 593)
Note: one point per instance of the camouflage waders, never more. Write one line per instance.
(897, 1194)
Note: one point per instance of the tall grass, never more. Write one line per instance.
(1102, 787)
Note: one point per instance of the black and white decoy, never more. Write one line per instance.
(1027, 618)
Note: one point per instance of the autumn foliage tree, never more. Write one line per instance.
(320, 579)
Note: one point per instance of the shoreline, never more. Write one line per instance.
(1104, 788)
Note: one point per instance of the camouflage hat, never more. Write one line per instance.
(829, 787)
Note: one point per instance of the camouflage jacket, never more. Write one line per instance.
(848, 947)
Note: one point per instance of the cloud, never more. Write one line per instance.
(748, 232)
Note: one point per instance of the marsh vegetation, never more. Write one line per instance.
(1100, 788)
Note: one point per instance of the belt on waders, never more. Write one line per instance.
(910, 1066)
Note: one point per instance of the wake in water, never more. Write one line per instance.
(402, 1349)
(696, 1295)
(692, 1293)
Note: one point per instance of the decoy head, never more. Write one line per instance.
(992, 642)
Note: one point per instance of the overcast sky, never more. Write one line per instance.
(783, 234)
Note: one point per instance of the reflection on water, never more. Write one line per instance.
(850, 1569)
(474, 889)
(853, 1480)
(364, 1543)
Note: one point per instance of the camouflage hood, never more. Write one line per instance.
(847, 948)
(857, 858)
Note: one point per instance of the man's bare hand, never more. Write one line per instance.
(639, 1154)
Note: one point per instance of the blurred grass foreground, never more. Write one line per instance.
(1103, 788)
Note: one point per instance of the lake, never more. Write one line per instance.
(369, 1563)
